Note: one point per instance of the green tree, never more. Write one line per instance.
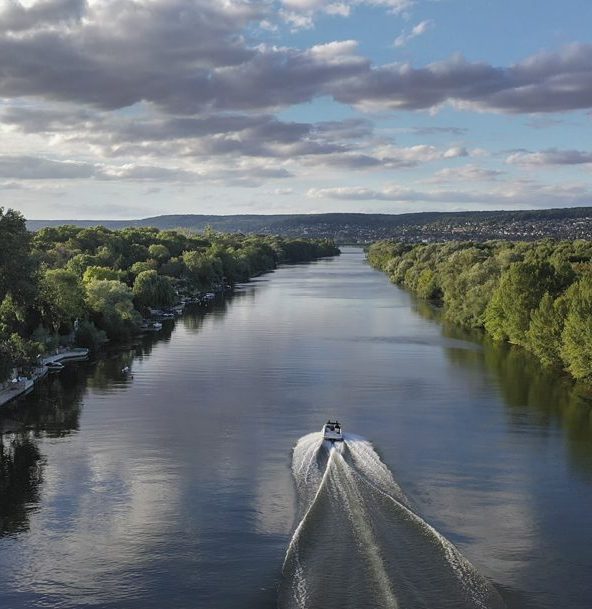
(576, 349)
(112, 305)
(17, 267)
(546, 327)
(519, 292)
(62, 298)
(94, 273)
(153, 290)
(140, 267)
(159, 252)
(203, 269)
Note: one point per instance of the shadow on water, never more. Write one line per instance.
(52, 411)
(531, 392)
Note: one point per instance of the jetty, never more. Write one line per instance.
(22, 385)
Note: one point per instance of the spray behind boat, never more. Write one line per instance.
(358, 541)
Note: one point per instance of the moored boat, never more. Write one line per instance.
(54, 366)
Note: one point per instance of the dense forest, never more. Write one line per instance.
(73, 285)
(537, 295)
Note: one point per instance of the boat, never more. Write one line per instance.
(54, 366)
(151, 326)
(332, 431)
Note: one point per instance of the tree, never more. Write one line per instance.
(546, 327)
(159, 252)
(576, 349)
(62, 298)
(16, 265)
(153, 290)
(140, 267)
(202, 268)
(94, 273)
(112, 305)
(519, 292)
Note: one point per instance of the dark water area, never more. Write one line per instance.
(179, 486)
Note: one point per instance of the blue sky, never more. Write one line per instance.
(125, 109)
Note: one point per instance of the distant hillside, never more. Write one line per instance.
(358, 227)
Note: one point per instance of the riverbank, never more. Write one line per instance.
(158, 490)
(25, 384)
(16, 388)
(68, 285)
(537, 295)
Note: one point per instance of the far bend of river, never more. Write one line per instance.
(173, 489)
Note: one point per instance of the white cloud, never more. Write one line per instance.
(418, 30)
(551, 156)
(466, 173)
(301, 14)
(525, 194)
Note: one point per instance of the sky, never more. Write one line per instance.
(119, 109)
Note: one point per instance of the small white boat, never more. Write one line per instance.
(332, 431)
(151, 326)
(54, 366)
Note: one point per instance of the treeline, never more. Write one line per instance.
(537, 295)
(68, 284)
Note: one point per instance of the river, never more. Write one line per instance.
(466, 471)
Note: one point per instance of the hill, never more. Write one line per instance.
(566, 223)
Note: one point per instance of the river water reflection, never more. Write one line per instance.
(173, 489)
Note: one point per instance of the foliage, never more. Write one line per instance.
(93, 273)
(577, 335)
(66, 281)
(17, 267)
(89, 336)
(545, 332)
(153, 290)
(111, 303)
(517, 295)
(537, 295)
(159, 252)
(61, 298)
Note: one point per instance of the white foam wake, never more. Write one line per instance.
(358, 543)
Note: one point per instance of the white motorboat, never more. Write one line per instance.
(54, 366)
(332, 431)
(151, 326)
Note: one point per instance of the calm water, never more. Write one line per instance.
(174, 488)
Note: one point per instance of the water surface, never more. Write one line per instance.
(174, 488)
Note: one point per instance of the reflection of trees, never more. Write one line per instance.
(20, 478)
(53, 410)
(555, 398)
(107, 371)
(194, 316)
(546, 393)
(525, 383)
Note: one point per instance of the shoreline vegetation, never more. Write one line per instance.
(69, 286)
(537, 295)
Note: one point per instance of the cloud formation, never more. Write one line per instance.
(521, 194)
(421, 28)
(198, 92)
(192, 57)
(552, 156)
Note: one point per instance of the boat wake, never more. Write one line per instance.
(359, 545)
